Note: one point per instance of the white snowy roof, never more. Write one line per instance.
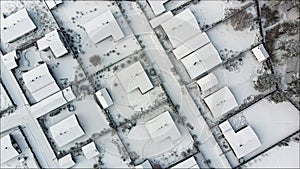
(260, 53)
(201, 60)
(8, 152)
(52, 102)
(103, 26)
(187, 164)
(90, 150)
(134, 77)
(53, 3)
(242, 142)
(9, 60)
(221, 102)
(40, 82)
(16, 25)
(157, 6)
(104, 98)
(162, 127)
(66, 131)
(145, 165)
(207, 82)
(191, 45)
(66, 161)
(52, 40)
(181, 28)
(161, 19)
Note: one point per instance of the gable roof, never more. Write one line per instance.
(66, 131)
(221, 102)
(260, 53)
(16, 25)
(242, 142)
(133, 77)
(40, 82)
(103, 26)
(201, 61)
(8, 152)
(90, 150)
(207, 82)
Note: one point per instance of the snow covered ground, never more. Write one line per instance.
(277, 157)
(271, 122)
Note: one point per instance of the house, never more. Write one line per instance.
(66, 161)
(155, 22)
(90, 150)
(9, 60)
(16, 25)
(103, 26)
(157, 6)
(145, 165)
(201, 61)
(260, 53)
(191, 45)
(52, 3)
(8, 151)
(52, 102)
(162, 127)
(181, 28)
(242, 142)
(104, 98)
(66, 131)
(52, 40)
(207, 82)
(187, 164)
(221, 102)
(40, 82)
(134, 77)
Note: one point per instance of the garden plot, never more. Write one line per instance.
(277, 156)
(134, 104)
(237, 34)
(112, 151)
(41, 17)
(271, 122)
(26, 159)
(94, 57)
(90, 117)
(164, 153)
(208, 13)
(238, 75)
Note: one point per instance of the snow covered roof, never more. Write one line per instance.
(8, 152)
(162, 127)
(9, 60)
(66, 131)
(161, 19)
(187, 164)
(5, 101)
(52, 40)
(16, 25)
(103, 26)
(40, 82)
(242, 142)
(201, 60)
(52, 102)
(134, 77)
(221, 102)
(104, 98)
(181, 27)
(145, 165)
(191, 45)
(90, 150)
(157, 6)
(53, 3)
(66, 161)
(207, 82)
(260, 53)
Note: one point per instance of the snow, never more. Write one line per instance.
(271, 122)
(277, 157)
